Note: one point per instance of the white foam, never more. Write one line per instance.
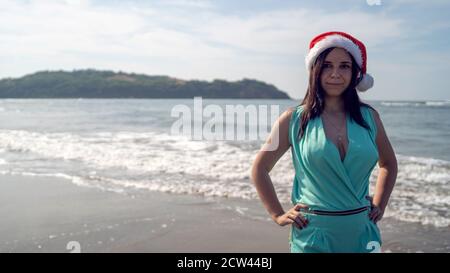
(443, 103)
(141, 152)
(398, 104)
(166, 163)
(422, 191)
(437, 103)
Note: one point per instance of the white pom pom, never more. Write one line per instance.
(366, 83)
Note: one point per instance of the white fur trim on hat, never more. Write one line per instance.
(333, 41)
(366, 83)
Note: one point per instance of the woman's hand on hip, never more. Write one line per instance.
(376, 212)
(293, 216)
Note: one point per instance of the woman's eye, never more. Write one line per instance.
(345, 66)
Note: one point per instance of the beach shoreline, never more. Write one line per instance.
(49, 214)
(42, 214)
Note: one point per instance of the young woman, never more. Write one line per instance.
(335, 142)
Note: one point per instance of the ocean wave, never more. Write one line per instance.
(128, 161)
(422, 191)
(437, 103)
(416, 103)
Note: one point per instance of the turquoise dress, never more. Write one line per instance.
(324, 182)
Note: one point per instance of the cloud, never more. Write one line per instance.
(202, 4)
(182, 38)
(416, 2)
(79, 26)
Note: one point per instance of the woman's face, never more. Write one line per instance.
(337, 72)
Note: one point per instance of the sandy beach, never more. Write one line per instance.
(41, 214)
(45, 214)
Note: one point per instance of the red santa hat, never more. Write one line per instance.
(343, 40)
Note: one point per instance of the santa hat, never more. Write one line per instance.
(341, 39)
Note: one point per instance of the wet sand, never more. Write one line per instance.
(41, 214)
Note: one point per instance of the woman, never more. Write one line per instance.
(335, 141)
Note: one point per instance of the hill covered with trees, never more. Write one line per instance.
(108, 84)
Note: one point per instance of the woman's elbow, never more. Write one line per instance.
(387, 159)
(257, 169)
(390, 164)
(393, 163)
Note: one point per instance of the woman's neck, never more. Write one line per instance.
(334, 105)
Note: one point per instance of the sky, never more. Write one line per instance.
(408, 41)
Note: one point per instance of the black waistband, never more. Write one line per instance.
(336, 213)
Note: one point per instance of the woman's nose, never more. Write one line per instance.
(335, 74)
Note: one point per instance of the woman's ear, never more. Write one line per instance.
(359, 76)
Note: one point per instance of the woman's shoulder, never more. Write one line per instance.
(372, 116)
(289, 114)
(294, 111)
(297, 109)
(286, 116)
(289, 111)
(369, 109)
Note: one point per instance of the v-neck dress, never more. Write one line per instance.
(325, 182)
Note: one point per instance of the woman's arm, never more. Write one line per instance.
(387, 175)
(276, 145)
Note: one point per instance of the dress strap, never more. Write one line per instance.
(294, 125)
(368, 117)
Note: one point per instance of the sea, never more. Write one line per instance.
(130, 146)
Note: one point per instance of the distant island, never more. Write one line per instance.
(108, 84)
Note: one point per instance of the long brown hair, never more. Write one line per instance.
(314, 100)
